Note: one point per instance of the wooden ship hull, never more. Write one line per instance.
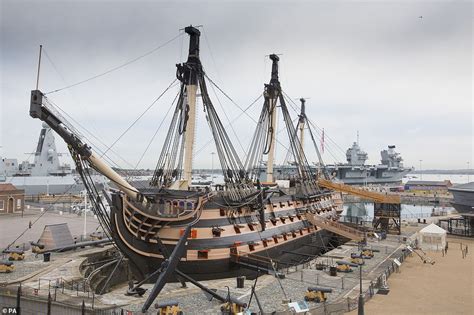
(222, 241)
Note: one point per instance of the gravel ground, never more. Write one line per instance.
(269, 290)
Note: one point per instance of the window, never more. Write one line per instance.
(18, 203)
(1, 205)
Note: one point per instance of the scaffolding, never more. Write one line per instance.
(462, 226)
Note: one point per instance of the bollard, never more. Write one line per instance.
(240, 282)
(342, 283)
(317, 279)
(49, 304)
(301, 275)
(18, 300)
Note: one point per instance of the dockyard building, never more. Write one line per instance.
(428, 185)
(12, 199)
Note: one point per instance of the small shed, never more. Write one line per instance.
(12, 199)
(56, 236)
(432, 237)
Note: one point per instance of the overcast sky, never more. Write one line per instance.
(375, 67)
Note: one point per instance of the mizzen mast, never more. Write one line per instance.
(301, 122)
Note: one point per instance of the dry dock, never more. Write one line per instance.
(415, 287)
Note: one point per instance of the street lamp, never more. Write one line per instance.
(421, 173)
(360, 309)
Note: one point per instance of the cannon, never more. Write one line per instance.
(357, 260)
(317, 294)
(232, 308)
(168, 308)
(15, 254)
(345, 266)
(348, 263)
(367, 253)
(37, 248)
(6, 266)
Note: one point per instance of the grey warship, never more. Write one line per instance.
(355, 172)
(46, 175)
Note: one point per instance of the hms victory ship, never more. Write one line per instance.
(170, 230)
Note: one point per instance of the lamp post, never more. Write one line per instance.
(360, 309)
(421, 173)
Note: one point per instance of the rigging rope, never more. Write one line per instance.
(156, 131)
(233, 102)
(141, 115)
(233, 120)
(119, 66)
(319, 131)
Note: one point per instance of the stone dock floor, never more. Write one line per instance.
(272, 293)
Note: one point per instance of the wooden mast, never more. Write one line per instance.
(273, 91)
(301, 124)
(193, 65)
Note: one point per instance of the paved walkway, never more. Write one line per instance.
(12, 225)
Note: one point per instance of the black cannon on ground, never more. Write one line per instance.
(15, 253)
(317, 294)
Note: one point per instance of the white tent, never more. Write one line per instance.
(432, 237)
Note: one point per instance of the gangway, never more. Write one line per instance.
(387, 207)
(372, 195)
(335, 227)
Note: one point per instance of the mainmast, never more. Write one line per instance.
(272, 92)
(190, 76)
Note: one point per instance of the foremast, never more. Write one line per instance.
(174, 167)
(190, 79)
(271, 94)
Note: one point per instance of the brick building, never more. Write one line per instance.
(428, 185)
(12, 199)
